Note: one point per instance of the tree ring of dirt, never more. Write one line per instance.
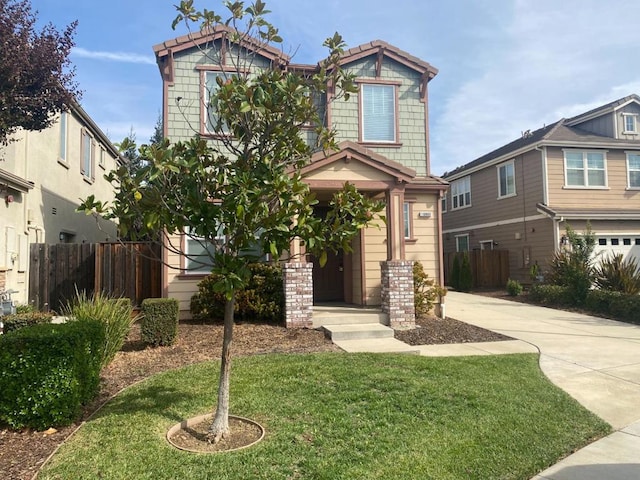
(191, 435)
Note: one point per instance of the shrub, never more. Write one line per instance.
(466, 278)
(455, 273)
(262, 299)
(600, 301)
(426, 292)
(48, 372)
(514, 288)
(114, 314)
(17, 321)
(618, 275)
(626, 308)
(554, 295)
(26, 308)
(159, 321)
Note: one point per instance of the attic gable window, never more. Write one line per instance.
(585, 169)
(209, 112)
(378, 113)
(461, 193)
(630, 121)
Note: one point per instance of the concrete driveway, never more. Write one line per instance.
(596, 361)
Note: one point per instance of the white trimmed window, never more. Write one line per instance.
(585, 169)
(506, 180)
(633, 170)
(199, 252)
(462, 243)
(62, 155)
(461, 193)
(406, 212)
(88, 156)
(210, 119)
(378, 114)
(444, 203)
(630, 123)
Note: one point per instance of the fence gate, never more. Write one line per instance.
(57, 271)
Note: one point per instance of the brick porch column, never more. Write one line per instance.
(397, 293)
(298, 294)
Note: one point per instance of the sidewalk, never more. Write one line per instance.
(597, 361)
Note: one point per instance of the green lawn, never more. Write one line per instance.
(342, 416)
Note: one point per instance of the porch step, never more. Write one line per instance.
(359, 331)
(347, 316)
(377, 345)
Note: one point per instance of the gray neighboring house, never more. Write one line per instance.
(521, 197)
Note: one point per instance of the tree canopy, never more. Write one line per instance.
(36, 76)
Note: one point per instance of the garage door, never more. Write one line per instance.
(627, 245)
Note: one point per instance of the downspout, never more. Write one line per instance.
(440, 252)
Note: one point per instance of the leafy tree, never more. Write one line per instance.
(242, 195)
(573, 267)
(36, 80)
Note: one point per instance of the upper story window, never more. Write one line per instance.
(87, 162)
(633, 170)
(406, 212)
(378, 113)
(62, 154)
(210, 113)
(506, 180)
(630, 121)
(461, 193)
(585, 169)
(444, 203)
(462, 243)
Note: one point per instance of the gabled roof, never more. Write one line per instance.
(563, 133)
(609, 107)
(379, 47)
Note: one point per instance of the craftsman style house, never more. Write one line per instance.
(384, 151)
(43, 176)
(522, 196)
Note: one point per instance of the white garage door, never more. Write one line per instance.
(627, 245)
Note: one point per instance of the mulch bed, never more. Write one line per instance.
(22, 453)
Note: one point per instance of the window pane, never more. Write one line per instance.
(63, 136)
(575, 177)
(198, 260)
(595, 160)
(407, 220)
(634, 162)
(634, 179)
(596, 178)
(574, 159)
(378, 113)
(86, 153)
(507, 180)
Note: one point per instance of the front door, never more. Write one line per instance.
(328, 281)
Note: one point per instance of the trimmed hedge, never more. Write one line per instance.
(48, 372)
(554, 295)
(159, 321)
(17, 321)
(262, 299)
(626, 308)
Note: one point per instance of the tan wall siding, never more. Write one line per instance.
(615, 196)
(352, 171)
(424, 248)
(356, 271)
(375, 252)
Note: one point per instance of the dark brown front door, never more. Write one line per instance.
(328, 281)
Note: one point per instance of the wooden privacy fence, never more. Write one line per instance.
(117, 269)
(489, 268)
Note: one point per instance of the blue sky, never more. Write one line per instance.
(506, 66)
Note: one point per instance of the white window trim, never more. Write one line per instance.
(186, 270)
(394, 88)
(484, 243)
(206, 98)
(458, 237)
(89, 175)
(454, 184)
(64, 139)
(634, 116)
(629, 186)
(585, 170)
(444, 203)
(407, 220)
(504, 165)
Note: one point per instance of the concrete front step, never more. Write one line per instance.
(376, 345)
(347, 316)
(357, 331)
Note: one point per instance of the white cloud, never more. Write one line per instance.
(114, 56)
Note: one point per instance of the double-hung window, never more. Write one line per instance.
(210, 112)
(633, 170)
(585, 169)
(62, 154)
(406, 213)
(378, 113)
(462, 243)
(506, 180)
(630, 123)
(88, 156)
(199, 252)
(461, 193)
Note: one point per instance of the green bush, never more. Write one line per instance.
(600, 301)
(26, 308)
(114, 314)
(48, 372)
(262, 299)
(159, 321)
(626, 308)
(426, 292)
(455, 273)
(466, 278)
(553, 295)
(514, 288)
(619, 275)
(17, 321)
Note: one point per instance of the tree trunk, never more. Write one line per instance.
(220, 426)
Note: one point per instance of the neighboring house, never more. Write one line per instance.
(384, 151)
(43, 176)
(522, 196)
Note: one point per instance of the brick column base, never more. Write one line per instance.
(397, 293)
(298, 294)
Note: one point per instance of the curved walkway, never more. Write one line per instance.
(596, 361)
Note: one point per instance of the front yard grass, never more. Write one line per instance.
(342, 416)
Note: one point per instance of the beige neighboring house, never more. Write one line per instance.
(43, 176)
(522, 196)
(384, 151)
